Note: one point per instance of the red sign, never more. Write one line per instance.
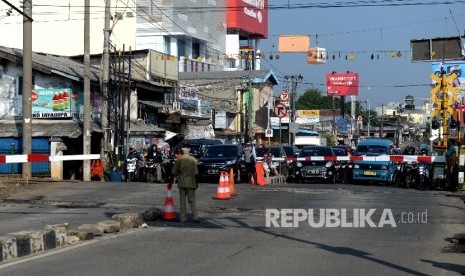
(280, 110)
(250, 16)
(342, 84)
(34, 96)
(284, 96)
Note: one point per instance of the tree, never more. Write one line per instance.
(313, 99)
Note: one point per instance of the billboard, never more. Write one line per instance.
(293, 43)
(250, 16)
(342, 84)
(62, 103)
(51, 103)
(450, 67)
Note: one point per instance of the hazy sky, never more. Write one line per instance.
(363, 31)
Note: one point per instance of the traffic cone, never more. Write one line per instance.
(261, 180)
(223, 191)
(232, 186)
(168, 209)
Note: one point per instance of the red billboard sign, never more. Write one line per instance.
(342, 84)
(250, 16)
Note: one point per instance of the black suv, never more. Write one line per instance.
(197, 146)
(218, 158)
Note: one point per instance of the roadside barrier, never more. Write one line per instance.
(168, 208)
(35, 157)
(392, 158)
(223, 191)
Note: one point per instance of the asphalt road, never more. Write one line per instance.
(233, 238)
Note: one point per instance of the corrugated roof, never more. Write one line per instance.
(51, 64)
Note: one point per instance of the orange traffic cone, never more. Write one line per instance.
(223, 191)
(232, 186)
(261, 180)
(168, 209)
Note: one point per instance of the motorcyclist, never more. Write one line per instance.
(156, 156)
(134, 154)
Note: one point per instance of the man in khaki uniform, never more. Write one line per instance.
(185, 170)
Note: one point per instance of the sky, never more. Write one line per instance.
(363, 31)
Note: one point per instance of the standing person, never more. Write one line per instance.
(185, 170)
(250, 155)
(451, 164)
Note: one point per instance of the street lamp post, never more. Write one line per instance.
(369, 115)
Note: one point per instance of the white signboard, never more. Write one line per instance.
(220, 119)
(268, 133)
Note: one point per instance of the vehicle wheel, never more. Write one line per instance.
(297, 180)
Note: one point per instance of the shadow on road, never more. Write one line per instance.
(336, 249)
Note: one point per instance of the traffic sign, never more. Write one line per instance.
(280, 110)
(268, 133)
(284, 96)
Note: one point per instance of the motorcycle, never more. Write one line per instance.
(131, 169)
(410, 175)
(423, 175)
(151, 170)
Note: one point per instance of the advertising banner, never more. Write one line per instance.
(51, 103)
(63, 103)
(250, 16)
(293, 43)
(310, 116)
(342, 84)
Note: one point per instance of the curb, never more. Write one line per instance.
(25, 243)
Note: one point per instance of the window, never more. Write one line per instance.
(195, 50)
(181, 48)
(20, 84)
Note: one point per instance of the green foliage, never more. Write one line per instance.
(329, 139)
(313, 99)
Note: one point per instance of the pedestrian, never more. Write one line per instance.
(451, 164)
(250, 156)
(185, 170)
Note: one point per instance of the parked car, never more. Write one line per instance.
(218, 158)
(315, 169)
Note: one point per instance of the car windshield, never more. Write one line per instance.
(215, 152)
(339, 151)
(289, 151)
(306, 152)
(374, 150)
(275, 151)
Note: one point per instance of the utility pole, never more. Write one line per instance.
(27, 85)
(382, 121)
(106, 75)
(86, 134)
